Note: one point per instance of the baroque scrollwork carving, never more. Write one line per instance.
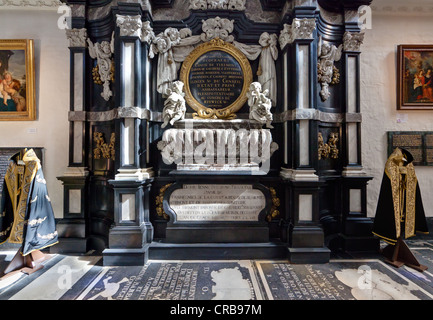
(327, 54)
(102, 52)
(330, 149)
(217, 28)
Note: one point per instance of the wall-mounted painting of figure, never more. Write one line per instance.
(415, 77)
(17, 80)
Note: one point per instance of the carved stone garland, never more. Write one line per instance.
(217, 5)
(102, 52)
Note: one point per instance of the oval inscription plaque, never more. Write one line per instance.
(216, 76)
(216, 79)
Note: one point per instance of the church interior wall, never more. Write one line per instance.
(378, 95)
(50, 130)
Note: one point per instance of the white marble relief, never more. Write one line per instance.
(174, 105)
(217, 28)
(327, 54)
(103, 52)
(260, 105)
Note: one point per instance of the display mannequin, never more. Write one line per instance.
(27, 216)
(400, 212)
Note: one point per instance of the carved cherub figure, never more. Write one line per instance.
(327, 55)
(174, 105)
(102, 52)
(260, 105)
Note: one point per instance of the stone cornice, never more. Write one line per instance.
(30, 4)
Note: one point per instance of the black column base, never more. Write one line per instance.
(359, 243)
(126, 257)
(72, 237)
(309, 255)
(307, 245)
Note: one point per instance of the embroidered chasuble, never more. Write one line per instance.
(400, 211)
(27, 216)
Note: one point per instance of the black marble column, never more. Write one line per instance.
(72, 227)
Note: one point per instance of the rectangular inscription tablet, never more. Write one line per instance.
(217, 202)
(418, 143)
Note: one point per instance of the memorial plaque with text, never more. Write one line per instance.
(418, 143)
(216, 77)
(217, 202)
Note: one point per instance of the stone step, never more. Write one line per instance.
(160, 250)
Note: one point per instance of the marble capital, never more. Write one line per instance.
(299, 29)
(352, 41)
(129, 26)
(77, 37)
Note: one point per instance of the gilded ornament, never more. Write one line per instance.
(275, 204)
(159, 202)
(330, 149)
(226, 112)
(104, 150)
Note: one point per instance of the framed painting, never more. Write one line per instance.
(17, 80)
(415, 77)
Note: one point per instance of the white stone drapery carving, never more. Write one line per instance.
(327, 54)
(216, 146)
(102, 52)
(267, 75)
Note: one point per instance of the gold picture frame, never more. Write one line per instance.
(17, 80)
(230, 51)
(414, 77)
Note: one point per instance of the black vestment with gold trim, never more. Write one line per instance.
(27, 216)
(400, 210)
